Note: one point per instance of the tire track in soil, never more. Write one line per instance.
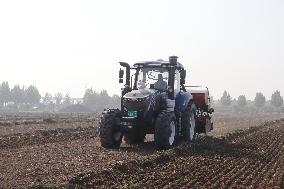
(242, 170)
(268, 152)
(276, 158)
(282, 184)
(251, 165)
(247, 170)
(253, 158)
(228, 167)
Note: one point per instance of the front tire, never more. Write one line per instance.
(110, 135)
(189, 123)
(165, 130)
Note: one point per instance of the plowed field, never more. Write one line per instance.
(63, 151)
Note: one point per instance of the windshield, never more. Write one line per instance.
(156, 78)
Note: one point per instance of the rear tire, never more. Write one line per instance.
(189, 123)
(135, 137)
(110, 135)
(165, 130)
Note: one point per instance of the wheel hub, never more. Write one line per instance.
(192, 127)
(117, 136)
(173, 133)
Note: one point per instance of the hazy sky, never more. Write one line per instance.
(66, 46)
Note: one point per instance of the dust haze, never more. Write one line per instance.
(70, 46)
(141, 94)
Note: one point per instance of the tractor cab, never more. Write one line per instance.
(152, 78)
(163, 76)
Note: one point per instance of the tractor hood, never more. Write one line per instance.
(142, 101)
(141, 93)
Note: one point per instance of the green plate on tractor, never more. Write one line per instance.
(133, 114)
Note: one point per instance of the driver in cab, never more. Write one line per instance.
(160, 84)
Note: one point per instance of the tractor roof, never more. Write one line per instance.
(157, 63)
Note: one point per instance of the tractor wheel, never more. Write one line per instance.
(135, 137)
(188, 123)
(110, 135)
(165, 130)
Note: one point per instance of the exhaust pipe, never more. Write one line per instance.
(173, 63)
(173, 60)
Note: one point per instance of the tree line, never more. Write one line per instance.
(258, 104)
(93, 100)
(22, 98)
(98, 101)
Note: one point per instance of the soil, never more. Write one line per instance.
(63, 151)
(76, 108)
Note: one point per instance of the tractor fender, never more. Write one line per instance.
(182, 100)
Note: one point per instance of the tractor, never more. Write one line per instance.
(155, 100)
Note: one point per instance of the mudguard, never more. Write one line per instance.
(182, 100)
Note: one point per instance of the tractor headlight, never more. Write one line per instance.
(143, 99)
(164, 96)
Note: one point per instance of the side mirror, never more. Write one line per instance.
(121, 74)
(182, 76)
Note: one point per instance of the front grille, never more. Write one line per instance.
(134, 105)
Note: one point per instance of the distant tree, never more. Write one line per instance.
(103, 100)
(32, 95)
(276, 99)
(4, 93)
(17, 95)
(47, 99)
(259, 100)
(226, 99)
(242, 101)
(115, 101)
(67, 100)
(58, 98)
(98, 101)
(90, 99)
